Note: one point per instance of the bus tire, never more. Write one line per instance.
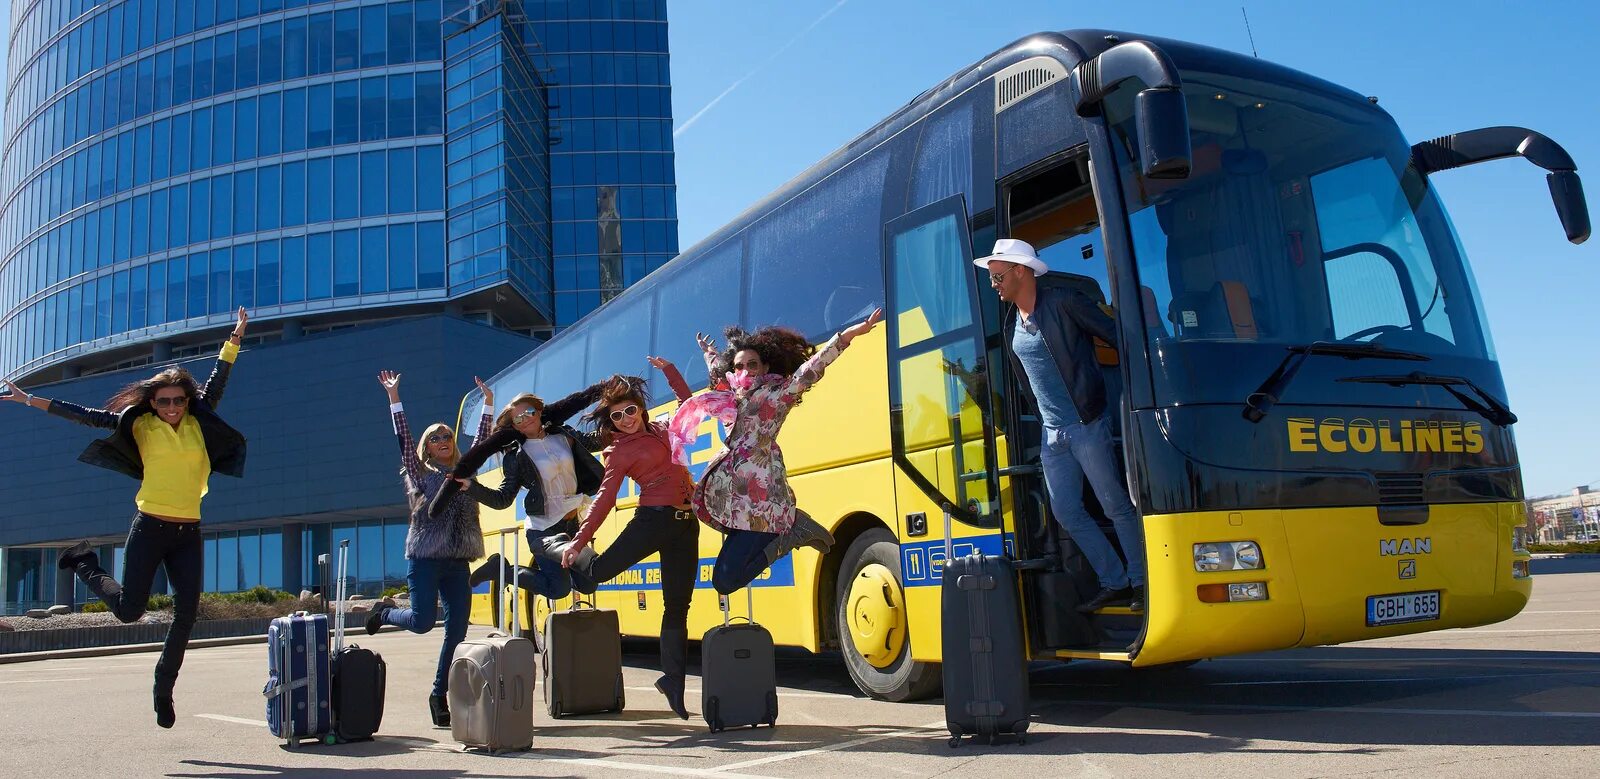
(903, 679)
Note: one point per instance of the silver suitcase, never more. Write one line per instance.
(492, 680)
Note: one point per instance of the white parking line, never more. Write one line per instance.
(597, 762)
(722, 770)
(41, 681)
(234, 720)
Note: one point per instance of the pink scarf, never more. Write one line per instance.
(684, 429)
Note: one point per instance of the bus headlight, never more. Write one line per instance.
(1227, 556)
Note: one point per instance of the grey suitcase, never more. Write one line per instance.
(738, 673)
(582, 661)
(491, 683)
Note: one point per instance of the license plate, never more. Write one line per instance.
(1405, 607)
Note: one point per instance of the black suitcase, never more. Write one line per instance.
(738, 673)
(582, 661)
(985, 664)
(359, 675)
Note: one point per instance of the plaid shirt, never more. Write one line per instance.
(455, 534)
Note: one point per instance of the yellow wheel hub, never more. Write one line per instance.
(875, 612)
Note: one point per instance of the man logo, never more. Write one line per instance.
(1408, 569)
(1391, 546)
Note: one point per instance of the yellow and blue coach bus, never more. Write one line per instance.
(1308, 401)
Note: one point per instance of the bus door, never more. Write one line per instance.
(941, 402)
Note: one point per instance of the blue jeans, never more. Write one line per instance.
(432, 581)
(742, 559)
(1068, 455)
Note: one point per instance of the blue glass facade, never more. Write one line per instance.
(327, 165)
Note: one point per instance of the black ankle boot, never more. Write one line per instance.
(75, 555)
(672, 688)
(166, 716)
(440, 711)
(487, 571)
(375, 619)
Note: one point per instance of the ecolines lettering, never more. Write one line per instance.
(1364, 436)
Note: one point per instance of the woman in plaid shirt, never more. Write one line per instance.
(438, 550)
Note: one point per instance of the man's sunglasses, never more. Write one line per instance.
(616, 416)
(996, 278)
(177, 402)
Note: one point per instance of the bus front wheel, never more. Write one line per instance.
(870, 612)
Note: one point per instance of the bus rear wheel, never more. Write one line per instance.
(870, 612)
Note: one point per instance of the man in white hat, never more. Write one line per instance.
(1051, 332)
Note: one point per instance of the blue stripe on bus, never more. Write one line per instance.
(647, 576)
(922, 563)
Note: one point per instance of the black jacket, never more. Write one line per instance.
(119, 452)
(518, 470)
(1068, 319)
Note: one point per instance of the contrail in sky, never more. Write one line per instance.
(746, 77)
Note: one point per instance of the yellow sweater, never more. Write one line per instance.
(177, 467)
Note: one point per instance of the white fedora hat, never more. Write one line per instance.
(1015, 251)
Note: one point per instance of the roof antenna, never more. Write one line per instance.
(1247, 31)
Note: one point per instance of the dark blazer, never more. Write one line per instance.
(119, 452)
(518, 470)
(1068, 319)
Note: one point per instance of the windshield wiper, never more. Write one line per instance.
(1491, 407)
(1257, 403)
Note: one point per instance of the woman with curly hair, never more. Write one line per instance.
(637, 448)
(745, 489)
(166, 434)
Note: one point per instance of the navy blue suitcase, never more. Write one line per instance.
(298, 678)
(985, 662)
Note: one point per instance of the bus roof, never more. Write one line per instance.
(1070, 47)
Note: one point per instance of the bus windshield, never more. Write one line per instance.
(1301, 222)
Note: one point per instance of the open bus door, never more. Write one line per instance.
(941, 403)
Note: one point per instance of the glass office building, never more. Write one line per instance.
(329, 166)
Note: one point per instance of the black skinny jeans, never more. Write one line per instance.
(676, 535)
(153, 542)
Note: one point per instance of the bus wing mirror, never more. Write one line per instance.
(1163, 118)
(1494, 143)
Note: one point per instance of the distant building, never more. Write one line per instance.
(1574, 517)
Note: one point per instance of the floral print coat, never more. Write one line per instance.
(746, 486)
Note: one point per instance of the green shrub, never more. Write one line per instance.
(393, 591)
(95, 607)
(157, 602)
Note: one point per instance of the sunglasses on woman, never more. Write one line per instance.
(439, 438)
(177, 402)
(523, 416)
(616, 416)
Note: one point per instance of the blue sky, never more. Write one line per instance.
(809, 75)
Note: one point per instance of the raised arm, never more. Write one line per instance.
(488, 411)
(402, 432)
(675, 380)
(560, 411)
(218, 381)
(708, 350)
(811, 370)
(72, 412)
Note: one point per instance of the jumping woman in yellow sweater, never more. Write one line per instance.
(168, 436)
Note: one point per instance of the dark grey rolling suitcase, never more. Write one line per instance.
(738, 673)
(985, 663)
(359, 675)
(582, 661)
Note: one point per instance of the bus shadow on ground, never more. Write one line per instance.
(1337, 695)
(210, 769)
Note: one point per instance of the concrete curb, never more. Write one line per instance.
(129, 649)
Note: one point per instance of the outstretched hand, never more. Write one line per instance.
(243, 319)
(391, 384)
(860, 328)
(659, 363)
(488, 394)
(13, 393)
(707, 345)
